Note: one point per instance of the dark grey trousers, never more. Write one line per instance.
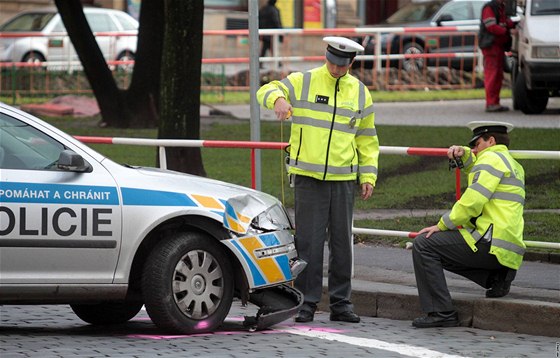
(323, 211)
(448, 250)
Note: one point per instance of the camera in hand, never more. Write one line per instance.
(456, 163)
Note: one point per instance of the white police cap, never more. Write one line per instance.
(481, 127)
(341, 50)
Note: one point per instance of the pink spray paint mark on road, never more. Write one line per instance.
(282, 329)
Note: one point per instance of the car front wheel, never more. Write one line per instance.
(413, 64)
(125, 56)
(188, 284)
(529, 101)
(33, 58)
(514, 74)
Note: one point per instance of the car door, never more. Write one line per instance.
(59, 46)
(457, 13)
(56, 226)
(100, 24)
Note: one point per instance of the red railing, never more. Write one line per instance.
(420, 151)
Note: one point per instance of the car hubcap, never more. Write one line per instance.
(413, 64)
(198, 284)
(33, 60)
(125, 67)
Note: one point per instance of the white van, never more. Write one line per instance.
(536, 56)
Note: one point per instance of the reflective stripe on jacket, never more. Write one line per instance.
(493, 201)
(333, 135)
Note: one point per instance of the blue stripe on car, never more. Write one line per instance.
(145, 197)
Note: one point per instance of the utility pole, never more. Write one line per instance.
(254, 82)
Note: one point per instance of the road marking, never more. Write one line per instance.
(412, 351)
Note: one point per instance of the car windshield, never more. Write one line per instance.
(28, 22)
(545, 7)
(416, 12)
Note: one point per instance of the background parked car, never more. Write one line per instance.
(48, 41)
(428, 13)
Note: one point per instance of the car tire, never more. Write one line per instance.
(529, 101)
(188, 284)
(514, 74)
(412, 64)
(107, 313)
(33, 57)
(125, 56)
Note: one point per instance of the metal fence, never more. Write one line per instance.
(414, 58)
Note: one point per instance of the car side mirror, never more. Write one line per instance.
(444, 17)
(73, 162)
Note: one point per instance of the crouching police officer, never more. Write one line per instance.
(481, 238)
(333, 143)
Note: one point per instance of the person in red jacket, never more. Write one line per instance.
(495, 22)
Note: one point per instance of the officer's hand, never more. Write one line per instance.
(430, 230)
(455, 151)
(282, 109)
(367, 190)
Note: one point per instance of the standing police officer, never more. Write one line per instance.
(333, 143)
(481, 238)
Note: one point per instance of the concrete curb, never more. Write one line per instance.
(549, 257)
(399, 302)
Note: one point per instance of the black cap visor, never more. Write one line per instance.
(473, 140)
(478, 132)
(339, 58)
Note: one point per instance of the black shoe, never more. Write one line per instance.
(496, 108)
(498, 289)
(304, 316)
(347, 316)
(437, 319)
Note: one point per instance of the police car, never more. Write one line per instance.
(78, 228)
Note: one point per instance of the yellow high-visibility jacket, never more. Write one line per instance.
(494, 201)
(333, 135)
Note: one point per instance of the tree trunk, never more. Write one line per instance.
(99, 76)
(180, 82)
(143, 95)
(169, 51)
(138, 105)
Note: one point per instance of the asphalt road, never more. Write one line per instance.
(431, 113)
(459, 113)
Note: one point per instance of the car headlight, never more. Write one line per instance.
(550, 52)
(273, 219)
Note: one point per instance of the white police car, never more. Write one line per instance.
(77, 228)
